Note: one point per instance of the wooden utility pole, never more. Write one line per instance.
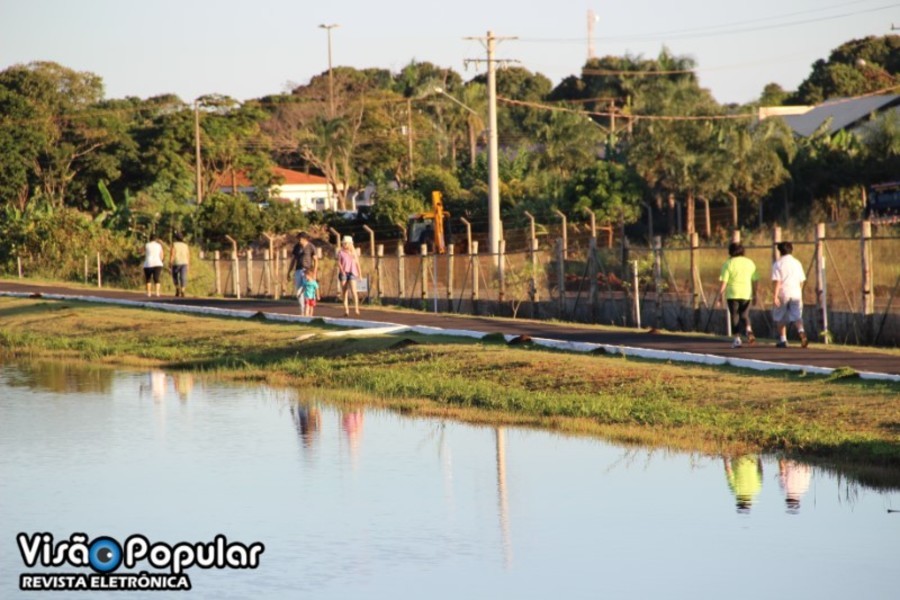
(495, 226)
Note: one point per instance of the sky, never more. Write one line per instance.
(251, 49)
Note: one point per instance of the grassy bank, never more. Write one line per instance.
(626, 400)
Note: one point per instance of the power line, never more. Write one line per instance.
(721, 29)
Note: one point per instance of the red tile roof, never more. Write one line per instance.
(288, 176)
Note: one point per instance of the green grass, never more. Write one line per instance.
(702, 408)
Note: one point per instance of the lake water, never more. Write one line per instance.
(367, 503)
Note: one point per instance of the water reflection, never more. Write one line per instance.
(426, 502)
(308, 421)
(502, 496)
(352, 424)
(794, 478)
(184, 384)
(745, 479)
(61, 378)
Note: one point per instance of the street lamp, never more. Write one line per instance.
(328, 28)
(495, 226)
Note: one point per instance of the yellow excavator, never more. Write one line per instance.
(429, 228)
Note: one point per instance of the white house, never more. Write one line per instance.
(308, 192)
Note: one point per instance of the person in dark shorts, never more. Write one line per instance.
(153, 264)
(179, 258)
(303, 260)
(739, 277)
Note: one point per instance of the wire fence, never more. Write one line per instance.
(850, 294)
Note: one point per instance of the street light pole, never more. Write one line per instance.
(495, 226)
(328, 28)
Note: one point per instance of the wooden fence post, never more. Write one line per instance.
(592, 274)
(379, 272)
(249, 260)
(401, 274)
(821, 288)
(99, 272)
(868, 297)
(565, 235)
(657, 278)
(561, 275)
(776, 239)
(423, 271)
(695, 277)
(473, 258)
(217, 256)
(501, 272)
(451, 251)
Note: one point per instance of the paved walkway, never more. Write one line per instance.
(763, 355)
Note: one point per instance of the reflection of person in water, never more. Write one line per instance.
(745, 479)
(794, 479)
(158, 385)
(352, 423)
(308, 421)
(184, 383)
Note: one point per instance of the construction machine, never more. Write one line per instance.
(431, 228)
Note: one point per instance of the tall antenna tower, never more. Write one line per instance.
(592, 19)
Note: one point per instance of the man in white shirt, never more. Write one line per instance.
(788, 275)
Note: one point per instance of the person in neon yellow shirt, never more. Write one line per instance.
(739, 278)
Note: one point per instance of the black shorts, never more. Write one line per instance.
(152, 273)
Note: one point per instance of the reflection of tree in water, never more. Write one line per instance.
(60, 377)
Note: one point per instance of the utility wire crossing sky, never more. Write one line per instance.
(248, 50)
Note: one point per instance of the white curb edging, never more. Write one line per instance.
(669, 355)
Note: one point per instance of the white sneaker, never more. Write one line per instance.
(736, 343)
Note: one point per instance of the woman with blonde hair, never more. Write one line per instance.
(348, 273)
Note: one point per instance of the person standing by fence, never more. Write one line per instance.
(348, 273)
(739, 277)
(788, 275)
(153, 264)
(303, 260)
(179, 258)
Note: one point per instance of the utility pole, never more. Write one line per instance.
(592, 19)
(409, 136)
(495, 226)
(197, 151)
(328, 28)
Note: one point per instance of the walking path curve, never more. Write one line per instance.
(817, 358)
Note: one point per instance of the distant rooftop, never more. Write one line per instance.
(845, 113)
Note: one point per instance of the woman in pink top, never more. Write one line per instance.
(348, 273)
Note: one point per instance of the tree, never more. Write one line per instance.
(58, 102)
(881, 147)
(773, 95)
(854, 68)
(759, 156)
(613, 192)
(678, 149)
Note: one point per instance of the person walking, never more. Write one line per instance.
(739, 279)
(788, 277)
(348, 273)
(303, 260)
(153, 264)
(179, 258)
